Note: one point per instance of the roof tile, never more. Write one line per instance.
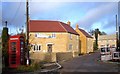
(85, 33)
(50, 26)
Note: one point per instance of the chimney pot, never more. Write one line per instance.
(77, 26)
(69, 23)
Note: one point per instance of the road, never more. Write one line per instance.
(89, 63)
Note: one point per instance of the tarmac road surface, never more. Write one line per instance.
(89, 63)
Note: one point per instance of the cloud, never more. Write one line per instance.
(97, 14)
(38, 8)
(110, 30)
(85, 14)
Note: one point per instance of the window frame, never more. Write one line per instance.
(37, 47)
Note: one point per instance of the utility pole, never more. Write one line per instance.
(116, 33)
(27, 30)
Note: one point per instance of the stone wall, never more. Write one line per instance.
(38, 56)
(52, 57)
(89, 45)
(62, 56)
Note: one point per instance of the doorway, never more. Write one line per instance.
(49, 46)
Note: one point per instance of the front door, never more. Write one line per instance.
(49, 48)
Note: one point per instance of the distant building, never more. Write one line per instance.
(52, 37)
(86, 41)
(107, 41)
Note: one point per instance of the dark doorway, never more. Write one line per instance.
(49, 48)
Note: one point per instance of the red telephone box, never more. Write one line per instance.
(16, 51)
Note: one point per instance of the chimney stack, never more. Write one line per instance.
(69, 23)
(77, 26)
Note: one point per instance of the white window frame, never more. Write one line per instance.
(37, 47)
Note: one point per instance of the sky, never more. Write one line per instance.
(88, 15)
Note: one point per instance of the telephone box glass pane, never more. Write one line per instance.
(21, 43)
(13, 44)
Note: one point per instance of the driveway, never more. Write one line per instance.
(89, 63)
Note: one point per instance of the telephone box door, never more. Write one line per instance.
(13, 54)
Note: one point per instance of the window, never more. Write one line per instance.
(102, 49)
(70, 46)
(70, 36)
(108, 49)
(21, 38)
(36, 47)
(13, 46)
(21, 43)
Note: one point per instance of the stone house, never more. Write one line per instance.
(107, 40)
(52, 40)
(85, 41)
